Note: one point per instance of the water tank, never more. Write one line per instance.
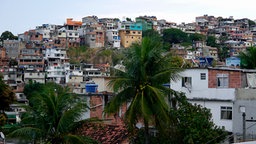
(91, 87)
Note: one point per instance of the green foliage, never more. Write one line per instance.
(118, 56)
(33, 88)
(211, 41)
(151, 33)
(248, 58)
(7, 96)
(157, 37)
(78, 54)
(251, 23)
(186, 44)
(174, 36)
(3, 119)
(179, 62)
(7, 35)
(51, 116)
(141, 84)
(128, 19)
(191, 124)
(223, 53)
(106, 52)
(196, 126)
(196, 37)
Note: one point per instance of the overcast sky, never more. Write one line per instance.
(19, 16)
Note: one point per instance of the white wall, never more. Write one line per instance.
(212, 98)
(215, 108)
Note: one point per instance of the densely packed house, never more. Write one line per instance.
(40, 55)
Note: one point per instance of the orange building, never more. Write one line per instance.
(73, 25)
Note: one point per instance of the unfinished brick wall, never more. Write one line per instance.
(97, 109)
(234, 78)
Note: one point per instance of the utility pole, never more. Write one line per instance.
(244, 127)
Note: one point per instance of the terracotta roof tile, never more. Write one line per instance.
(106, 134)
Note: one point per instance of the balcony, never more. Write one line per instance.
(55, 75)
(31, 63)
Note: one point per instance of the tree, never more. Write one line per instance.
(128, 19)
(192, 125)
(195, 125)
(223, 49)
(7, 96)
(150, 33)
(174, 36)
(248, 58)
(33, 88)
(196, 37)
(7, 35)
(251, 23)
(141, 85)
(223, 53)
(51, 116)
(211, 41)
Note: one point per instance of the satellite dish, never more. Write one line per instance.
(2, 135)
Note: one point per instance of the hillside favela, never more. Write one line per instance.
(129, 81)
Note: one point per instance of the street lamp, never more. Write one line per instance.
(242, 110)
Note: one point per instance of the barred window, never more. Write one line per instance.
(203, 76)
(226, 113)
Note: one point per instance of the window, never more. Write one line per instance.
(203, 76)
(226, 113)
(222, 80)
(186, 82)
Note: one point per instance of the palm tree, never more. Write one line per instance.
(147, 68)
(248, 58)
(51, 116)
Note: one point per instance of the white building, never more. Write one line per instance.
(224, 91)
(34, 76)
(113, 38)
(194, 83)
(57, 69)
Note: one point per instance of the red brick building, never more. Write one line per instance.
(231, 78)
(4, 60)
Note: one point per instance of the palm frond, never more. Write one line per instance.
(116, 102)
(27, 133)
(71, 139)
(70, 116)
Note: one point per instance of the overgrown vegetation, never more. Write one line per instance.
(192, 124)
(51, 116)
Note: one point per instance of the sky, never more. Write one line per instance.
(19, 16)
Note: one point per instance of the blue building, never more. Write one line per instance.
(136, 26)
(233, 61)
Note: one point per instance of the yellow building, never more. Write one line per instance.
(130, 36)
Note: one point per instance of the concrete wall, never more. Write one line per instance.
(211, 98)
(246, 98)
(128, 37)
(215, 108)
